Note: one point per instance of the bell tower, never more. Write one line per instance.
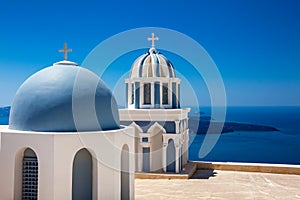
(153, 109)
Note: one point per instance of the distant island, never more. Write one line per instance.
(200, 125)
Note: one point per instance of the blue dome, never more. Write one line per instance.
(64, 98)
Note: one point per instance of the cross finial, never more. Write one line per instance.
(65, 51)
(152, 39)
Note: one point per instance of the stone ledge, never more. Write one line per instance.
(160, 176)
(188, 170)
(250, 167)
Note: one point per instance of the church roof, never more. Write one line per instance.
(152, 64)
(64, 98)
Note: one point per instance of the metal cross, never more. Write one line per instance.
(152, 39)
(65, 51)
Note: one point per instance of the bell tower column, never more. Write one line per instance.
(177, 126)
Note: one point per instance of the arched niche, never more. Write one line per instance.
(171, 156)
(82, 176)
(156, 132)
(125, 179)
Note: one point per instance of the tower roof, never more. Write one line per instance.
(152, 64)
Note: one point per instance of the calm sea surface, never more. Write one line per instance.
(3, 120)
(264, 147)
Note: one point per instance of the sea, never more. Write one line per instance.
(279, 147)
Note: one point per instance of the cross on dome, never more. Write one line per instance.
(152, 39)
(65, 51)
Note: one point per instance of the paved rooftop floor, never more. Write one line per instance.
(208, 184)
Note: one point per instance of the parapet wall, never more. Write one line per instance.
(192, 166)
(250, 167)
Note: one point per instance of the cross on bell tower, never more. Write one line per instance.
(152, 39)
(65, 51)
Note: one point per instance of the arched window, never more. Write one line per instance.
(165, 94)
(30, 175)
(125, 179)
(147, 93)
(132, 94)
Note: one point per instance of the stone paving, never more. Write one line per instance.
(208, 184)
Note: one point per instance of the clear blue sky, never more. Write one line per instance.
(255, 43)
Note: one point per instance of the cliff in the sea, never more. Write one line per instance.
(200, 126)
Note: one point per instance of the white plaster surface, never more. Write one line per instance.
(55, 153)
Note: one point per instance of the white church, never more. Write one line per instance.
(66, 138)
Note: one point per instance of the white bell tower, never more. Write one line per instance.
(153, 108)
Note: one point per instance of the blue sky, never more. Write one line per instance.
(255, 44)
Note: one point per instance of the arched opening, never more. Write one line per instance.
(132, 94)
(171, 158)
(147, 93)
(30, 175)
(165, 94)
(175, 95)
(180, 159)
(82, 176)
(137, 148)
(125, 181)
(156, 144)
(146, 159)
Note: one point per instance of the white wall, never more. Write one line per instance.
(55, 153)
